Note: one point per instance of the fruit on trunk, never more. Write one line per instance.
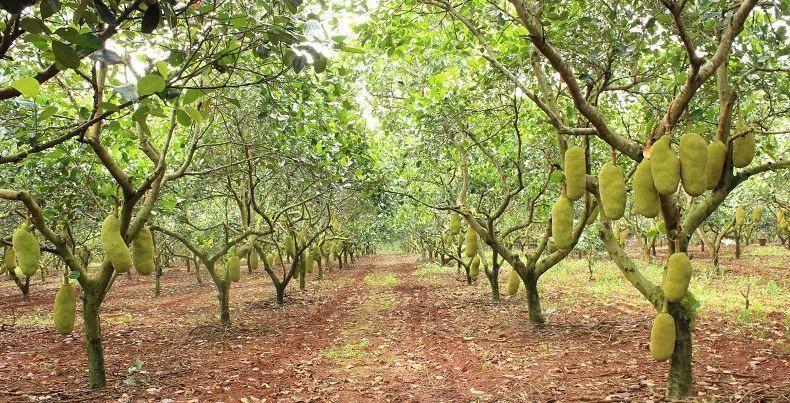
(714, 164)
(662, 337)
(665, 166)
(252, 260)
(115, 248)
(611, 180)
(743, 149)
(455, 223)
(234, 268)
(65, 309)
(471, 242)
(562, 222)
(646, 200)
(693, 160)
(474, 268)
(513, 282)
(26, 250)
(143, 252)
(677, 277)
(575, 173)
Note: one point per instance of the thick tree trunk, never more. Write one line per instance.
(197, 272)
(493, 278)
(533, 299)
(280, 289)
(302, 275)
(737, 247)
(320, 269)
(680, 378)
(93, 344)
(224, 305)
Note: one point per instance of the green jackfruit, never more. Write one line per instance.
(740, 216)
(308, 262)
(143, 252)
(714, 164)
(26, 250)
(693, 160)
(65, 309)
(471, 242)
(562, 222)
(623, 236)
(288, 244)
(234, 268)
(665, 166)
(115, 248)
(474, 267)
(513, 282)
(613, 192)
(646, 200)
(270, 259)
(677, 277)
(455, 223)
(743, 149)
(757, 214)
(662, 337)
(9, 260)
(575, 173)
(252, 260)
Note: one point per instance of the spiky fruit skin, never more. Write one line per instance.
(562, 222)
(471, 242)
(662, 337)
(743, 150)
(270, 259)
(474, 268)
(714, 164)
(677, 277)
(513, 282)
(26, 250)
(665, 166)
(289, 246)
(234, 268)
(252, 260)
(455, 223)
(740, 216)
(646, 198)
(65, 309)
(115, 248)
(611, 180)
(143, 252)
(9, 260)
(693, 160)
(757, 214)
(575, 173)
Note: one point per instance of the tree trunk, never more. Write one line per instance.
(280, 288)
(224, 305)
(737, 247)
(302, 275)
(680, 378)
(320, 269)
(93, 344)
(197, 272)
(493, 278)
(158, 282)
(533, 299)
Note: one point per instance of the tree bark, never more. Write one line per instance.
(533, 299)
(223, 295)
(680, 376)
(280, 289)
(93, 343)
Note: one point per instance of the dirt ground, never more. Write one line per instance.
(381, 330)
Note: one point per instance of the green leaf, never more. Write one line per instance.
(150, 84)
(194, 114)
(183, 117)
(192, 95)
(65, 55)
(28, 86)
(47, 112)
(557, 176)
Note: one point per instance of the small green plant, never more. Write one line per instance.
(350, 350)
(135, 374)
(384, 279)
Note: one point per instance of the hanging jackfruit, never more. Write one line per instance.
(471, 242)
(290, 249)
(513, 282)
(693, 159)
(562, 222)
(757, 214)
(611, 180)
(662, 337)
(143, 252)
(743, 149)
(714, 164)
(740, 216)
(474, 267)
(455, 223)
(252, 260)
(65, 309)
(677, 277)
(665, 166)
(9, 260)
(26, 250)
(646, 200)
(575, 173)
(234, 267)
(115, 248)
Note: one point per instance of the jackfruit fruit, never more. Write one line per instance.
(575, 173)
(646, 200)
(677, 277)
(513, 282)
(665, 166)
(252, 260)
(234, 268)
(471, 242)
(65, 309)
(26, 250)
(455, 223)
(693, 159)
(740, 216)
(613, 192)
(114, 247)
(290, 249)
(9, 260)
(623, 236)
(562, 222)
(143, 252)
(714, 164)
(662, 337)
(757, 214)
(474, 268)
(743, 149)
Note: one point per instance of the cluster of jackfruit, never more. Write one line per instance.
(455, 223)
(143, 252)
(471, 242)
(27, 250)
(675, 286)
(114, 247)
(65, 310)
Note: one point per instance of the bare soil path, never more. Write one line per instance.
(382, 330)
